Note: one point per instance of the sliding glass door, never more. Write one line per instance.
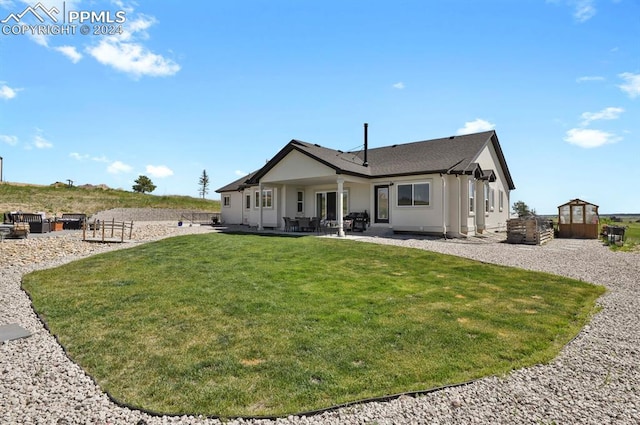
(327, 205)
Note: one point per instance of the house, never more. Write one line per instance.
(454, 186)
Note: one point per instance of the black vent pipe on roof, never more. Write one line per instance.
(366, 145)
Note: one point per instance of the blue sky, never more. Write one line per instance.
(222, 86)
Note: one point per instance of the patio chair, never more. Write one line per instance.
(287, 224)
(315, 224)
(304, 224)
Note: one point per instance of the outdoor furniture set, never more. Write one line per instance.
(18, 224)
(354, 222)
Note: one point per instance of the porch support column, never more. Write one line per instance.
(444, 206)
(260, 207)
(283, 206)
(340, 206)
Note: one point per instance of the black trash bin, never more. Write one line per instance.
(615, 234)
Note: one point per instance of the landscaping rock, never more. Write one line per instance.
(594, 380)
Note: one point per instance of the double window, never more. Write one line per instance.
(414, 194)
(267, 198)
(226, 200)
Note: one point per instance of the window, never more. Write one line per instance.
(300, 202)
(413, 195)
(486, 197)
(565, 214)
(501, 200)
(472, 195)
(267, 198)
(226, 200)
(247, 203)
(577, 212)
(492, 198)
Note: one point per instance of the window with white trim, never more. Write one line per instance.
(267, 198)
(414, 194)
(472, 195)
(492, 199)
(486, 198)
(226, 200)
(500, 200)
(247, 203)
(300, 201)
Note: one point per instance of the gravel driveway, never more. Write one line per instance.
(595, 379)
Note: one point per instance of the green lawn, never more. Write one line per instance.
(235, 325)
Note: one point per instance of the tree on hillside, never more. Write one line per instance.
(522, 209)
(143, 184)
(204, 183)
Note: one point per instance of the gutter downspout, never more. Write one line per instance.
(459, 206)
(260, 228)
(444, 206)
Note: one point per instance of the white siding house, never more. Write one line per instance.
(453, 186)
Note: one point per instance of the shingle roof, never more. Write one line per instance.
(236, 185)
(455, 155)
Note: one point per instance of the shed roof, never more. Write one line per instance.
(577, 201)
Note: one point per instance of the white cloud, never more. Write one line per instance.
(40, 39)
(87, 157)
(584, 10)
(100, 159)
(476, 126)
(125, 54)
(9, 140)
(399, 85)
(79, 157)
(70, 52)
(7, 92)
(159, 171)
(588, 138)
(240, 173)
(610, 113)
(118, 167)
(586, 79)
(41, 143)
(632, 84)
(122, 6)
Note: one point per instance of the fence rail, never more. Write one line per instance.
(107, 231)
(200, 218)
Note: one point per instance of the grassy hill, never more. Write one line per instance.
(59, 198)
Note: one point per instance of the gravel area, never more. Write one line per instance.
(595, 379)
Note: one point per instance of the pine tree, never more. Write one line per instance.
(204, 183)
(143, 185)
